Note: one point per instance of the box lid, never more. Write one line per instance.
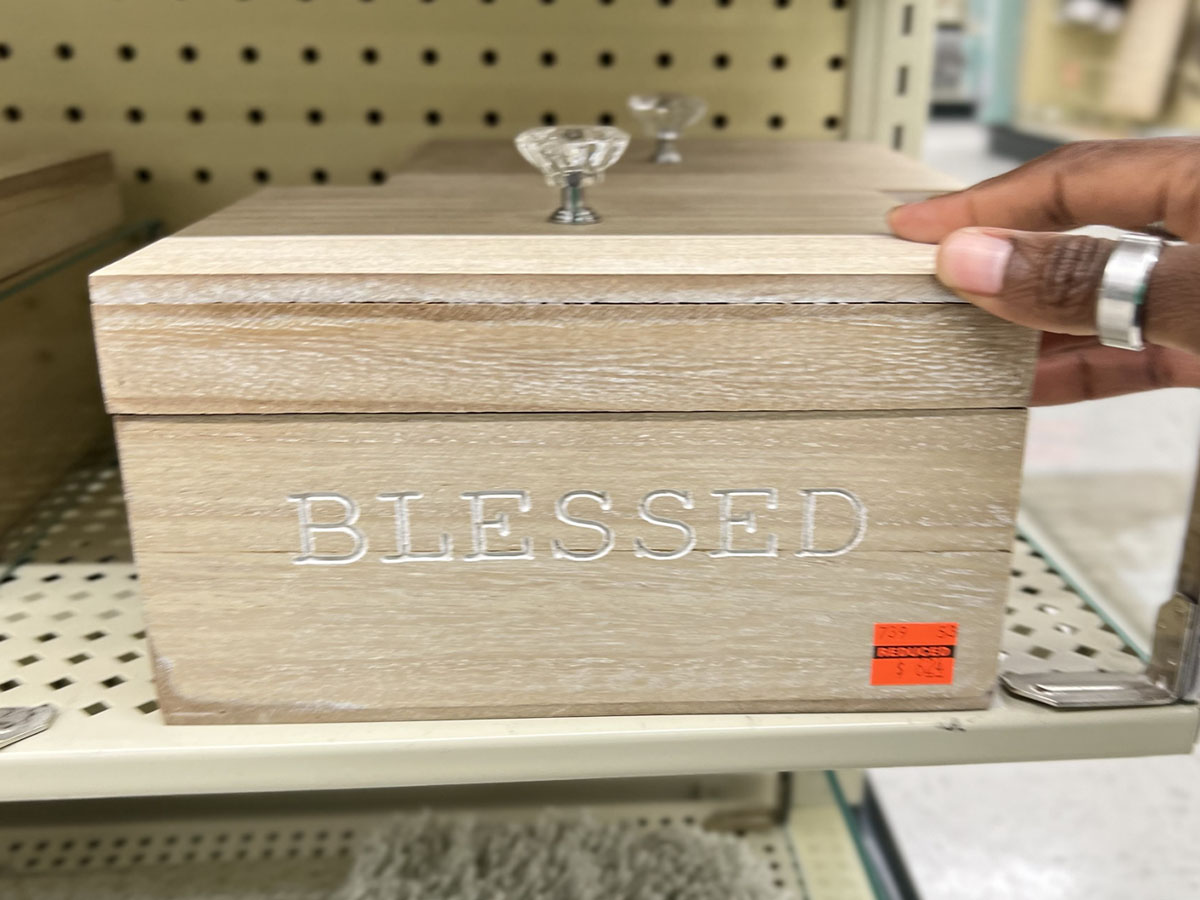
(453, 293)
(497, 225)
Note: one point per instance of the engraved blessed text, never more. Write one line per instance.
(331, 534)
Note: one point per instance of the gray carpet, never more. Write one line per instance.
(558, 856)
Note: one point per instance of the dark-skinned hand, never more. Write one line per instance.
(998, 252)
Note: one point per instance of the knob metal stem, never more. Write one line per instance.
(572, 210)
(666, 152)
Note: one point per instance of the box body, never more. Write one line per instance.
(388, 457)
(51, 412)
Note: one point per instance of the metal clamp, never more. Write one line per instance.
(20, 722)
(1173, 673)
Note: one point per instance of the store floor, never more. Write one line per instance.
(1096, 829)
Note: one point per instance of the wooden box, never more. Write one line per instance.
(417, 453)
(57, 217)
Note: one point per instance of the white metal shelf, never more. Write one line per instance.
(73, 637)
(303, 846)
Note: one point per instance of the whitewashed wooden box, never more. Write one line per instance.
(413, 452)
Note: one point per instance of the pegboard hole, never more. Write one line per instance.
(320, 176)
(255, 116)
(9, 685)
(64, 51)
(148, 707)
(370, 56)
(143, 175)
(315, 117)
(262, 176)
(78, 658)
(188, 53)
(5, 51)
(779, 61)
(775, 122)
(195, 115)
(126, 52)
(310, 55)
(1023, 630)
(606, 58)
(113, 681)
(59, 683)
(429, 56)
(202, 175)
(94, 709)
(489, 57)
(832, 123)
(129, 656)
(1085, 650)
(549, 118)
(135, 115)
(721, 61)
(377, 176)
(1041, 652)
(28, 660)
(836, 63)
(249, 54)
(73, 114)
(549, 58)
(491, 118)
(664, 60)
(605, 118)
(374, 117)
(433, 117)
(720, 121)
(12, 113)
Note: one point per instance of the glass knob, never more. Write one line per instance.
(664, 116)
(571, 157)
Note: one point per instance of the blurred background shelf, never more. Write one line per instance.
(73, 637)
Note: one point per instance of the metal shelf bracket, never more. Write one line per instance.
(1173, 672)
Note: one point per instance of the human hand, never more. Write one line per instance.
(995, 253)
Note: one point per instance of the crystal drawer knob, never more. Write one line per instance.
(572, 157)
(664, 116)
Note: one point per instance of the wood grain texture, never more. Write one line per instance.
(519, 204)
(49, 203)
(819, 164)
(540, 254)
(496, 225)
(51, 412)
(243, 634)
(428, 357)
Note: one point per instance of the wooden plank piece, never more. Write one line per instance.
(380, 357)
(51, 203)
(913, 513)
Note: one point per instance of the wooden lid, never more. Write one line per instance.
(496, 225)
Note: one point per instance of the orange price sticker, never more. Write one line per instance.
(914, 653)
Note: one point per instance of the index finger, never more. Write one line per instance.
(1125, 183)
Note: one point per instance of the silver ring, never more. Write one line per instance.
(1120, 302)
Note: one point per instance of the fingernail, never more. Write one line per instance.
(974, 262)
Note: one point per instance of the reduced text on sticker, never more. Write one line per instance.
(914, 653)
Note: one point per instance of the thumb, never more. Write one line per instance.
(1051, 282)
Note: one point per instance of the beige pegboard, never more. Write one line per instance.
(203, 100)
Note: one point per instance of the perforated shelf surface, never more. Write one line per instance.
(71, 635)
(303, 845)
